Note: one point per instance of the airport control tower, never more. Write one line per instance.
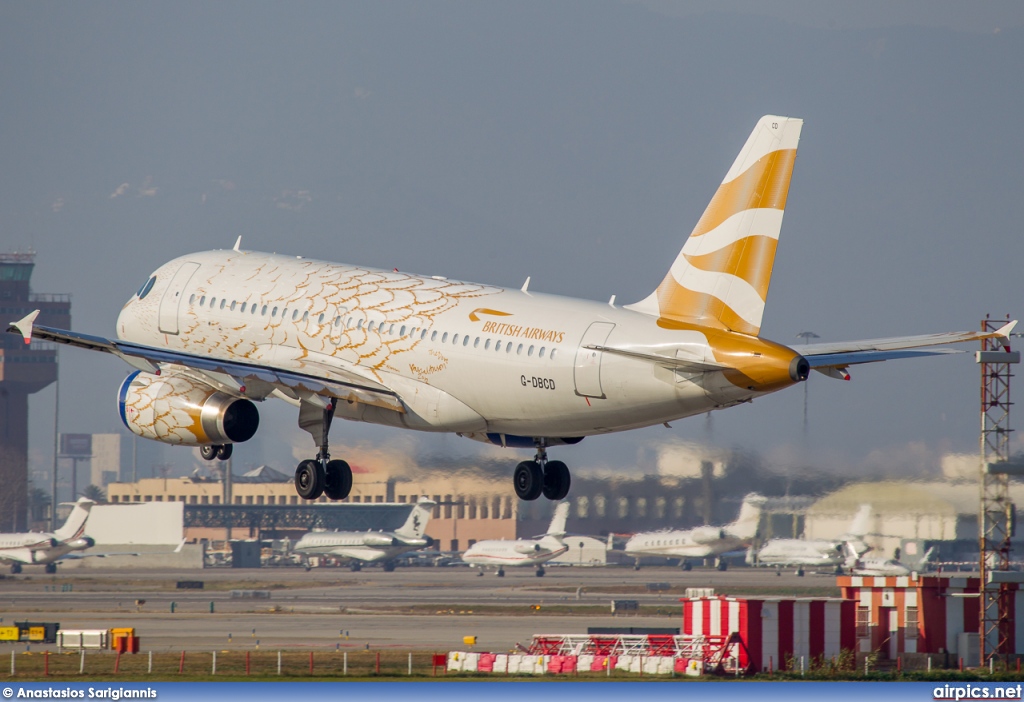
(23, 371)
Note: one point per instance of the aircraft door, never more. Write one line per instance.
(170, 303)
(587, 371)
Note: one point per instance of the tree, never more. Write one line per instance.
(95, 493)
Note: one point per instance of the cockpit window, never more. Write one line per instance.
(146, 287)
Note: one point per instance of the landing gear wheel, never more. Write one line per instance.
(723, 565)
(389, 566)
(309, 480)
(208, 452)
(15, 568)
(799, 572)
(338, 481)
(51, 568)
(224, 451)
(356, 566)
(501, 572)
(540, 572)
(687, 566)
(528, 479)
(556, 480)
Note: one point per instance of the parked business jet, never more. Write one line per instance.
(499, 553)
(700, 542)
(372, 546)
(42, 548)
(857, 564)
(210, 334)
(818, 553)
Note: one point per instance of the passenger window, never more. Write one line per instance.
(401, 332)
(508, 347)
(202, 300)
(264, 310)
(320, 319)
(487, 345)
(433, 336)
(391, 329)
(223, 301)
(233, 303)
(359, 324)
(295, 315)
(243, 308)
(444, 338)
(476, 342)
(455, 340)
(423, 335)
(465, 340)
(552, 356)
(541, 354)
(372, 326)
(213, 302)
(273, 313)
(305, 316)
(191, 299)
(529, 351)
(519, 351)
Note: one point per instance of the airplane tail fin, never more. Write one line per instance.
(746, 524)
(557, 526)
(74, 527)
(861, 521)
(416, 523)
(720, 277)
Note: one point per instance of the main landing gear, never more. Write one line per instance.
(220, 452)
(321, 476)
(541, 477)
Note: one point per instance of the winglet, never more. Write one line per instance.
(24, 326)
(238, 244)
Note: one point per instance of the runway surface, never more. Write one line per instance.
(418, 608)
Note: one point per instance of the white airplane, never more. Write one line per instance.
(44, 548)
(700, 542)
(371, 546)
(211, 334)
(818, 552)
(499, 553)
(857, 564)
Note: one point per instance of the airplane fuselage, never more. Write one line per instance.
(520, 552)
(469, 358)
(800, 552)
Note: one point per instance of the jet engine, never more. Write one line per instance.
(707, 535)
(81, 544)
(177, 409)
(527, 548)
(379, 540)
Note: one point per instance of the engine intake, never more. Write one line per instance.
(177, 409)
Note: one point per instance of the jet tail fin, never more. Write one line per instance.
(416, 523)
(749, 519)
(74, 527)
(720, 277)
(557, 526)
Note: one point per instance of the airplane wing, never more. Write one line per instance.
(832, 359)
(303, 376)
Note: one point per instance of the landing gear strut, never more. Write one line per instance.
(321, 476)
(541, 477)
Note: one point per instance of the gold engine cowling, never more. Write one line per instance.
(176, 409)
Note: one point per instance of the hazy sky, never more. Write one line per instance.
(574, 142)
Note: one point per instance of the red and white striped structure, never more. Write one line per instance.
(773, 631)
(923, 614)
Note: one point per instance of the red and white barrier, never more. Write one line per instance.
(772, 631)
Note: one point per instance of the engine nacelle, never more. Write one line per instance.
(176, 409)
(527, 548)
(379, 540)
(82, 543)
(707, 535)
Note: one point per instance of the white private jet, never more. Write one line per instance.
(372, 546)
(499, 553)
(857, 564)
(211, 334)
(818, 553)
(42, 548)
(700, 542)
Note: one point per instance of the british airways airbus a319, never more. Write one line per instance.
(213, 334)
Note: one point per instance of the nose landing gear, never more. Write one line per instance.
(220, 452)
(540, 476)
